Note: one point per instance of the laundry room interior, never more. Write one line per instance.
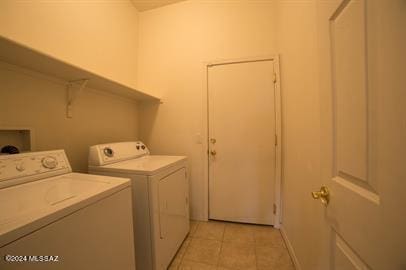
(268, 134)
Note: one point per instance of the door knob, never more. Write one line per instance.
(213, 152)
(323, 194)
(213, 140)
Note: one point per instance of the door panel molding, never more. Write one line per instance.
(350, 99)
(345, 258)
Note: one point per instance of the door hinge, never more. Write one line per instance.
(276, 140)
(274, 209)
(274, 78)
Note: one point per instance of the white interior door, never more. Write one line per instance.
(364, 132)
(242, 141)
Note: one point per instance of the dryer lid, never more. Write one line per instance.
(145, 165)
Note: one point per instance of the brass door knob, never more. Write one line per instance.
(323, 194)
(213, 152)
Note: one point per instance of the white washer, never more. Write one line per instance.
(160, 198)
(83, 221)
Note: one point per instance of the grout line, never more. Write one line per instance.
(221, 246)
(218, 259)
(255, 249)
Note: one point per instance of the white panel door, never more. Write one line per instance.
(242, 141)
(363, 140)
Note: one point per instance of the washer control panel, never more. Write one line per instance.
(35, 163)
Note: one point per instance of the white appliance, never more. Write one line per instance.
(160, 198)
(51, 218)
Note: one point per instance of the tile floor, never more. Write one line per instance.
(216, 245)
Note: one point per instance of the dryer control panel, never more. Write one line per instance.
(103, 154)
(32, 165)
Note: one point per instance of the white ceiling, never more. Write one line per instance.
(142, 5)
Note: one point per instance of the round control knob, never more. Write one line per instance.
(49, 162)
(20, 167)
(108, 152)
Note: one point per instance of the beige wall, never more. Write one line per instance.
(99, 36)
(297, 45)
(29, 99)
(175, 41)
(173, 44)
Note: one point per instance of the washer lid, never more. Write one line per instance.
(147, 165)
(27, 207)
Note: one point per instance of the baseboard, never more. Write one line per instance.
(290, 249)
(198, 218)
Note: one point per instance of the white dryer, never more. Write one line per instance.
(160, 198)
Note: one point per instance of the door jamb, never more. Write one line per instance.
(278, 131)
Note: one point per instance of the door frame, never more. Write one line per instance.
(278, 130)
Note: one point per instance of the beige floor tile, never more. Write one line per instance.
(189, 265)
(238, 256)
(203, 250)
(242, 233)
(231, 246)
(193, 226)
(269, 236)
(210, 230)
(273, 258)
